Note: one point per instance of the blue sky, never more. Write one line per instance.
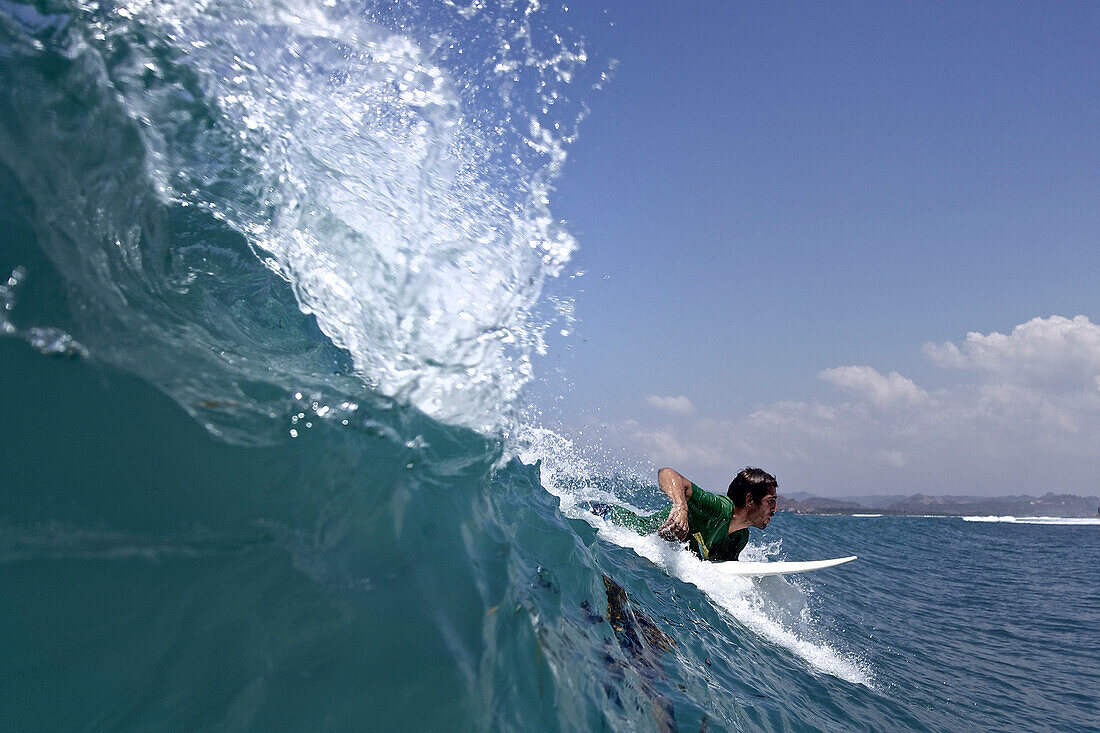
(781, 207)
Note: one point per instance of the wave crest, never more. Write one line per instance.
(399, 184)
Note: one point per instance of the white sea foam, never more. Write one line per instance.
(1069, 521)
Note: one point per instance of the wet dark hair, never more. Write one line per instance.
(753, 481)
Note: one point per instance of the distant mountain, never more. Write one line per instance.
(874, 501)
(820, 502)
(1048, 505)
(811, 504)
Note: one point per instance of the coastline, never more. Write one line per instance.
(1049, 505)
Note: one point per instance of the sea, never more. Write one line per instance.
(275, 278)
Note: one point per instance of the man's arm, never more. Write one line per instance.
(678, 490)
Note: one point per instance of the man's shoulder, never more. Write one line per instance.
(710, 502)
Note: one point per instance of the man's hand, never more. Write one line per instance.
(678, 490)
(675, 528)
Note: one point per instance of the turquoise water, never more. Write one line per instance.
(278, 277)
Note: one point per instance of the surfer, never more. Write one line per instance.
(716, 527)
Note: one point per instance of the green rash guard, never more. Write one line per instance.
(708, 522)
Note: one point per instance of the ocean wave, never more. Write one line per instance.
(301, 194)
(323, 230)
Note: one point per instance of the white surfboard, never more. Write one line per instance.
(780, 567)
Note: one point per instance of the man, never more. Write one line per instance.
(716, 527)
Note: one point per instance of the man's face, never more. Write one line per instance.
(763, 512)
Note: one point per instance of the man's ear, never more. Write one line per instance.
(748, 498)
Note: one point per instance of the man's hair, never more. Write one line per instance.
(753, 481)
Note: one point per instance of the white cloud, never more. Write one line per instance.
(1025, 418)
(666, 447)
(866, 382)
(679, 405)
(894, 458)
(1055, 352)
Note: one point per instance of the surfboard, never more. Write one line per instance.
(781, 567)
